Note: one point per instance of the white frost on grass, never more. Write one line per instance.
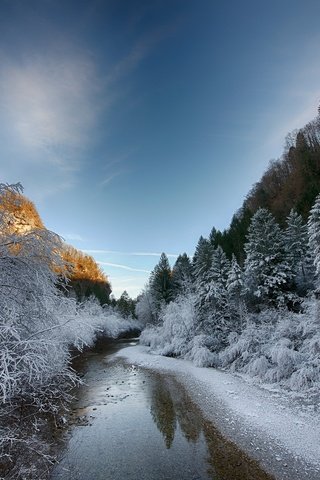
(264, 421)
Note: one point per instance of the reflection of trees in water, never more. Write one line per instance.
(163, 412)
(170, 405)
(189, 418)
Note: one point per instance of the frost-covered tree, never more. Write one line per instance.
(314, 237)
(146, 310)
(202, 259)
(182, 276)
(267, 273)
(297, 252)
(235, 288)
(161, 283)
(202, 262)
(217, 294)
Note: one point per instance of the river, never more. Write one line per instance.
(135, 424)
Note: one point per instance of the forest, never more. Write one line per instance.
(248, 300)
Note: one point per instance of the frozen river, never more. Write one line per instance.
(136, 424)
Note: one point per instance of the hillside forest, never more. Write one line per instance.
(248, 299)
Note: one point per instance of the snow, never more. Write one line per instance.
(280, 430)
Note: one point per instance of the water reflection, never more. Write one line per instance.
(171, 408)
(163, 412)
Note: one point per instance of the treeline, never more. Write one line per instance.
(84, 274)
(247, 300)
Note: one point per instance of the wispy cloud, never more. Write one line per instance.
(123, 267)
(141, 49)
(134, 254)
(48, 110)
(110, 177)
(49, 99)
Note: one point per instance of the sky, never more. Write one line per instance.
(135, 126)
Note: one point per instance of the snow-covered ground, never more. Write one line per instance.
(281, 431)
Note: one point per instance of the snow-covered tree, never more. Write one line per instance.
(267, 273)
(314, 237)
(202, 262)
(297, 252)
(161, 283)
(217, 293)
(182, 276)
(202, 259)
(235, 288)
(146, 310)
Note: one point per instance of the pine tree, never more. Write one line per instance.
(217, 288)
(314, 237)
(125, 305)
(202, 261)
(202, 276)
(235, 287)
(161, 282)
(267, 272)
(298, 258)
(182, 276)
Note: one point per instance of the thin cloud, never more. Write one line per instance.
(124, 267)
(141, 50)
(49, 100)
(110, 177)
(49, 107)
(134, 254)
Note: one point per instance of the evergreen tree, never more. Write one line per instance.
(161, 283)
(125, 305)
(314, 237)
(202, 276)
(217, 288)
(267, 272)
(182, 276)
(235, 287)
(202, 261)
(296, 244)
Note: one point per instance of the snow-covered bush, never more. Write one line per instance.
(172, 337)
(284, 350)
(200, 354)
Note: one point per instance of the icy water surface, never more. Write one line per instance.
(135, 424)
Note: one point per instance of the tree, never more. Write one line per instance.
(267, 272)
(235, 288)
(202, 262)
(161, 283)
(297, 252)
(314, 237)
(125, 305)
(182, 276)
(217, 288)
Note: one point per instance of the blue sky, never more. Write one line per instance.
(136, 126)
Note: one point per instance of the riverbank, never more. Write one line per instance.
(281, 432)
